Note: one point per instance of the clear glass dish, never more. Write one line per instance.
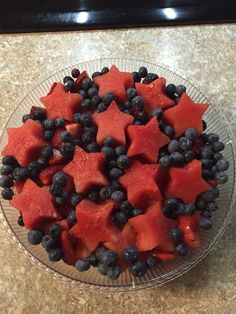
(166, 271)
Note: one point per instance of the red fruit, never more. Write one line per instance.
(63, 223)
(189, 225)
(25, 142)
(115, 82)
(56, 140)
(112, 122)
(212, 183)
(140, 184)
(86, 169)
(74, 129)
(69, 185)
(57, 158)
(146, 140)
(34, 108)
(67, 248)
(153, 229)
(81, 250)
(186, 182)
(163, 256)
(46, 174)
(197, 146)
(83, 75)
(19, 186)
(186, 114)
(60, 103)
(36, 205)
(154, 95)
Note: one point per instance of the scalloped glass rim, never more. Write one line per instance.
(166, 271)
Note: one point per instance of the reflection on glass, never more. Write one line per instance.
(82, 17)
(170, 13)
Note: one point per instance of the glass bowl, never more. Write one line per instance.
(168, 270)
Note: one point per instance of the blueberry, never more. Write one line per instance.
(35, 236)
(85, 104)
(204, 137)
(48, 124)
(151, 262)
(177, 159)
(86, 84)
(77, 142)
(93, 260)
(120, 218)
(126, 207)
(100, 251)
(105, 70)
(109, 141)
(206, 174)
(205, 223)
(123, 162)
(171, 203)
(43, 162)
(96, 100)
(20, 174)
(56, 190)
(173, 146)
(115, 185)
(138, 122)
(108, 152)
(127, 105)
(131, 93)
(162, 125)
(170, 90)
(120, 150)
(185, 143)
(142, 72)
(211, 206)
(62, 199)
(157, 113)
(39, 114)
(91, 129)
(216, 157)
(130, 254)
(213, 171)
(93, 196)
(181, 249)
(138, 269)
(216, 192)
(151, 77)
(65, 136)
(222, 165)
(180, 89)
(108, 98)
(118, 196)
(8, 160)
(137, 103)
(85, 119)
(109, 258)
(83, 93)
(48, 242)
(209, 196)
(165, 161)
(67, 149)
(82, 264)
(221, 177)
(191, 134)
(69, 85)
(112, 164)
(206, 163)
(7, 193)
(212, 138)
(206, 214)
(75, 73)
(48, 135)
(77, 117)
(92, 147)
(55, 255)
(67, 78)
(101, 107)
(136, 211)
(26, 117)
(87, 137)
(142, 116)
(6, 169)
(206, 152)
(71, 218)
(176, 235)
(169, 131)
(113, 272)
(34, 168)
(102, 269)
(20, 221)
(115, 173)
(218, 146)
(189, 155)
(105, 192)
(54, 230)
(190, 209)
(60, 178)
(75, 199)
(47, 151)
(95, 74)
(200, 203)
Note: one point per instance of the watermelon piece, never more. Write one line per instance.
(112, 122)
(67, 248)
(212, 183)
(163, 256)
(189, 225)
(60, 103)
(69, 187)
(36, 205)
(94, 225)
(56, 140)
(154, 95)
(153, 229)
(63, 223)
(86, 170)
(115, 82)
(34, 108)
(75, 129)
(46, 174)
(25, 142)
(19, 186)
(197, 146)
(140, 184)
(81, 250)
(186, 114)
(83, 75)
(186, 182)
(57, 158)
(146, 140)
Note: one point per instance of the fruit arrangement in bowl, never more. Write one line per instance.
(114, 170)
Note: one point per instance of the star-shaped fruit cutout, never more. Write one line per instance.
(35, 204)
(154, 95)
(146, 140)
(140, 184)
(186, 114)
(153, 229)
(60, 103)
(94, 224)
(186, 182)
(86, 170)
(112, 122)
(115, 82)
(189, 225)
(25, 142)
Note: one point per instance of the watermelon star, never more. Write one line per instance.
(146, 140)
(154, 95)
(189, 225)
(115, 82)
(153, 229)
(86, 170)
(186, 182)
(25, 142)
(60, 103)
(186, 114)
(35, 204)
(112, 122)
(93, 224)
(140, 184)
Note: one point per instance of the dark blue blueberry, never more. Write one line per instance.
(120, 218)
(71, 218)
(8, 160)
(171, 203)
(101, 107)
(169, 131)
(206, 214)
(82, 264)
(112, 164)
(113, 272)
(93, 196)
(20, 221)
(213, 171)
(54, 230)
(143, 72)
(191, 134)
(176, 235)
(127, 105)
(157, 113)
(48, 242)
(221, 177)
(207, 163)
(163, 153)
(151, 77)
(130, 254)
(185, 143)
(162, 125)
(216, 157)
(100, 251)
(35, 236)
(190, 209)
(142, 116)
(55, 255)
(181, 209)
(180, 89)
(209, 196)
(115, 173)
(205, 223)
(85, 119)
(7, 193)
(93, 260)
(151, 262)
(120, 150)
(67, 149)
(102, 269)
(173, 146)
(87, 137)
(20, 174)
(75, 73)
(177, 159)
(92, 91)
(136, 211)
(181, 249)
(43, 162)
(118, 196)
(170, 90)
(105, 192)
(206, 152)
(69, 85)
(165, 161)
(91, 129)
(60, 178)
(222, 164)
(204, 137)
(123, 162)
(86, 84)
(92, 147)
(65, 136)
(62, 199)
(75, 199)
(96, 100)
(218, 146)
(34, 168)
(39, 114)
(212, 138)
(83, 93)
(26, 117)
(95, 74)
(206, 174)
(167, 212)
(48, 135)
(48, 124)
(56, 190)
(67, 78)
(138, 122)
(136, 77)
(115, 185)
(137, 103)
(105, 70)
(85, 104)
(189, 155)
(109, 258)
(109, 141)
(138, 269)
(126, 207)
(77, 117)
(47, 151)
(6, 169)
(200, 203)
(211, 206)
(108, 98)
(108, 152)
(131, 93)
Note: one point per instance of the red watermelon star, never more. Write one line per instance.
(86, 170)
(153, 229)
(186, 114)
(140, 184)
(146, 140)
(60, 103)
(112, 122)
(186, 182)
(115, 82)
(35, 204)
(94, 224)
(154, 95)
(25, 142)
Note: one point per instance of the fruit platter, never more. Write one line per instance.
(116, 174)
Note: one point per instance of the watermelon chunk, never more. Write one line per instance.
(112, 122)
(25, 142)
(57, 158)
(186, 182)
(81, 250)
(86, 170)
(163, 256)
(146, 140)
(67, 248)
(189, 225)
(46, 174)
(56, 140)
(186, 114)
(83, 75)
(36, 205)
(75, 129)
(154, 95)
(140, 184)
(60, 103)
(115, 82)
(153, 229)
(19, 186)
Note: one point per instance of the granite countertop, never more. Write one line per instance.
(207, 54)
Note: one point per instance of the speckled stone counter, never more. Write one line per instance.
(207, 54)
